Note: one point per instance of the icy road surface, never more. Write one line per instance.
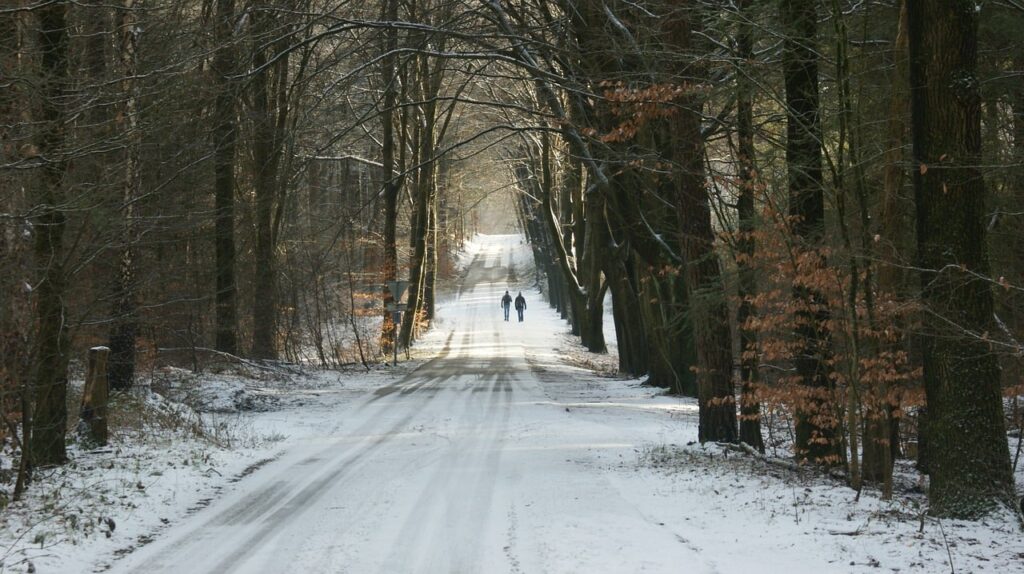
(465, 465)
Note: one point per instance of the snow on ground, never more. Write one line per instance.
(500, 447)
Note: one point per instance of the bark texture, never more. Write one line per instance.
(815, 427)
(121, 364)
(225, 139)
(968, 456)
(392, 181)
(270, 114)
(708, 310)
(750, 408)
(49, 405)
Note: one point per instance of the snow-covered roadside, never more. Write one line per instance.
(747, 515)
(630, 444)
(184, 440)
(167, 459)
(744, 513)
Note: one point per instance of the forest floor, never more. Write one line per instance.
(499, 447)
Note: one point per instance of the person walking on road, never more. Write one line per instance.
(506, 303)
(520, 305)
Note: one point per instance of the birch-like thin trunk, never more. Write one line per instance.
(121, 364)
(390, 180)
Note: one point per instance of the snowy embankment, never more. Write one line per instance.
(178, 442)
(513, 450)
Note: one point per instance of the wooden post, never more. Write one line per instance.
(94, 397)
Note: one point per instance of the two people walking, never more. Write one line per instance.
(520, 302)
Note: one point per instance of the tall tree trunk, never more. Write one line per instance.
(564, 289)
(226, 137)
(565, 275)
(121, 364)
(417, 263)
(708, 310)
(430, 271)
(391, 181)
(750, 407)
(269, 108)
(879, 443)
(434, 241)
(629, 331)
(671, 349)
(49, 416)
(587, 235)
(620, 272)
(859, 347)
(1018, 194)
(429, 80)
(264, 310)
(594, 250)
(815, 432)
(16, 311)
(572, 231)
(661, 291)
(968, 455)
(1013, 306)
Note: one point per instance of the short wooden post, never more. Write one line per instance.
(94, 397)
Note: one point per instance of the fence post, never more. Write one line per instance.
(94, 397)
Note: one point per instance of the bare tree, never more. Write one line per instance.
(225, 136)
(45, 437)
(121, 365)
(815, 429)
(961, 375)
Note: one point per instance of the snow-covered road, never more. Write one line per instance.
(464, 465)
(498, 455)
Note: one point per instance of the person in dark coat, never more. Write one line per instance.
(520, 305)
(506, 303)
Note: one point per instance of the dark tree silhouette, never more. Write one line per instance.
(969, 460)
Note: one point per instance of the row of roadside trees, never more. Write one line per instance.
(807, 214)
(790, 203)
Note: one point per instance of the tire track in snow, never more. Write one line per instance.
(387, 496)
(434, 374)
(444, 501)
(275, 510)
(457, 499)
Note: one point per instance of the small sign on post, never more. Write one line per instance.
(397, 289)
(396, 310)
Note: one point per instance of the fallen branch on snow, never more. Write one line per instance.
(268, 366)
